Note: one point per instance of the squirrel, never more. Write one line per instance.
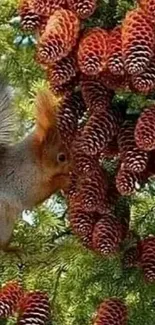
(33, 169)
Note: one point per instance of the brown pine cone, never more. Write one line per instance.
(107, 235)
(111, 312)
(100, 130)
(96, 96)
(83, 8)
(147, 258)
(145, 130)
(131, 156)
(62, 72)
(34, 308)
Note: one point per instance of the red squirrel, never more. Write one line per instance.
(32, 169)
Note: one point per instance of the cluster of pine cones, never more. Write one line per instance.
(31, 307)
(123, 57)
(86, 68)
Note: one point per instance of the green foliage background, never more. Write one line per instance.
(53, 259)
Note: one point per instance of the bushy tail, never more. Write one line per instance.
(7, 116)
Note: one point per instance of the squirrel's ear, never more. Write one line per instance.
(47, 106)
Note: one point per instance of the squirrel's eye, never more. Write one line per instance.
(61, 157)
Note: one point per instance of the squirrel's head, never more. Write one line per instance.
(54, 155)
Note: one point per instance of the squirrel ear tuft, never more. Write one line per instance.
(47, 106)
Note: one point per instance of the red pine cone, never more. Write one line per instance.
(83, 8)
(115, 59)
(107, 235)
(137, 41)
(145, 82)
(62, 72)
(59, 37)
(96, 96)
(111, 312)
(34, 308)
(149, 7)
(145, 130)
(130, 257)
(99, 131)
(30, 20)
(92, 52)
(133, 158)
(147, 258)
(10, 295)
(70, 111)
(127, 182)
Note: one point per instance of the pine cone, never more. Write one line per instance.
(111, 312)
(10, 295)
(132, 158)
(149, 8)
(62, 72)
(59, 38)
(30, 20)
(96, 96)
(145, 130)
(147, 258)
(83, 8)
(136, 160)
(115, 60)
(92, 191)
(130, 257)
(34, 308)
(82, 223)
(137, 41)
(107, 235)
(145, 82)
(127, 182)
(47, 7)
(92, 52)
(70, 111)
(81, 162)
(99, 131)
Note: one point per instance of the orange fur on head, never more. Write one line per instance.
(47, 106)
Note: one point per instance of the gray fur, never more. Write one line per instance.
(7, 115)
